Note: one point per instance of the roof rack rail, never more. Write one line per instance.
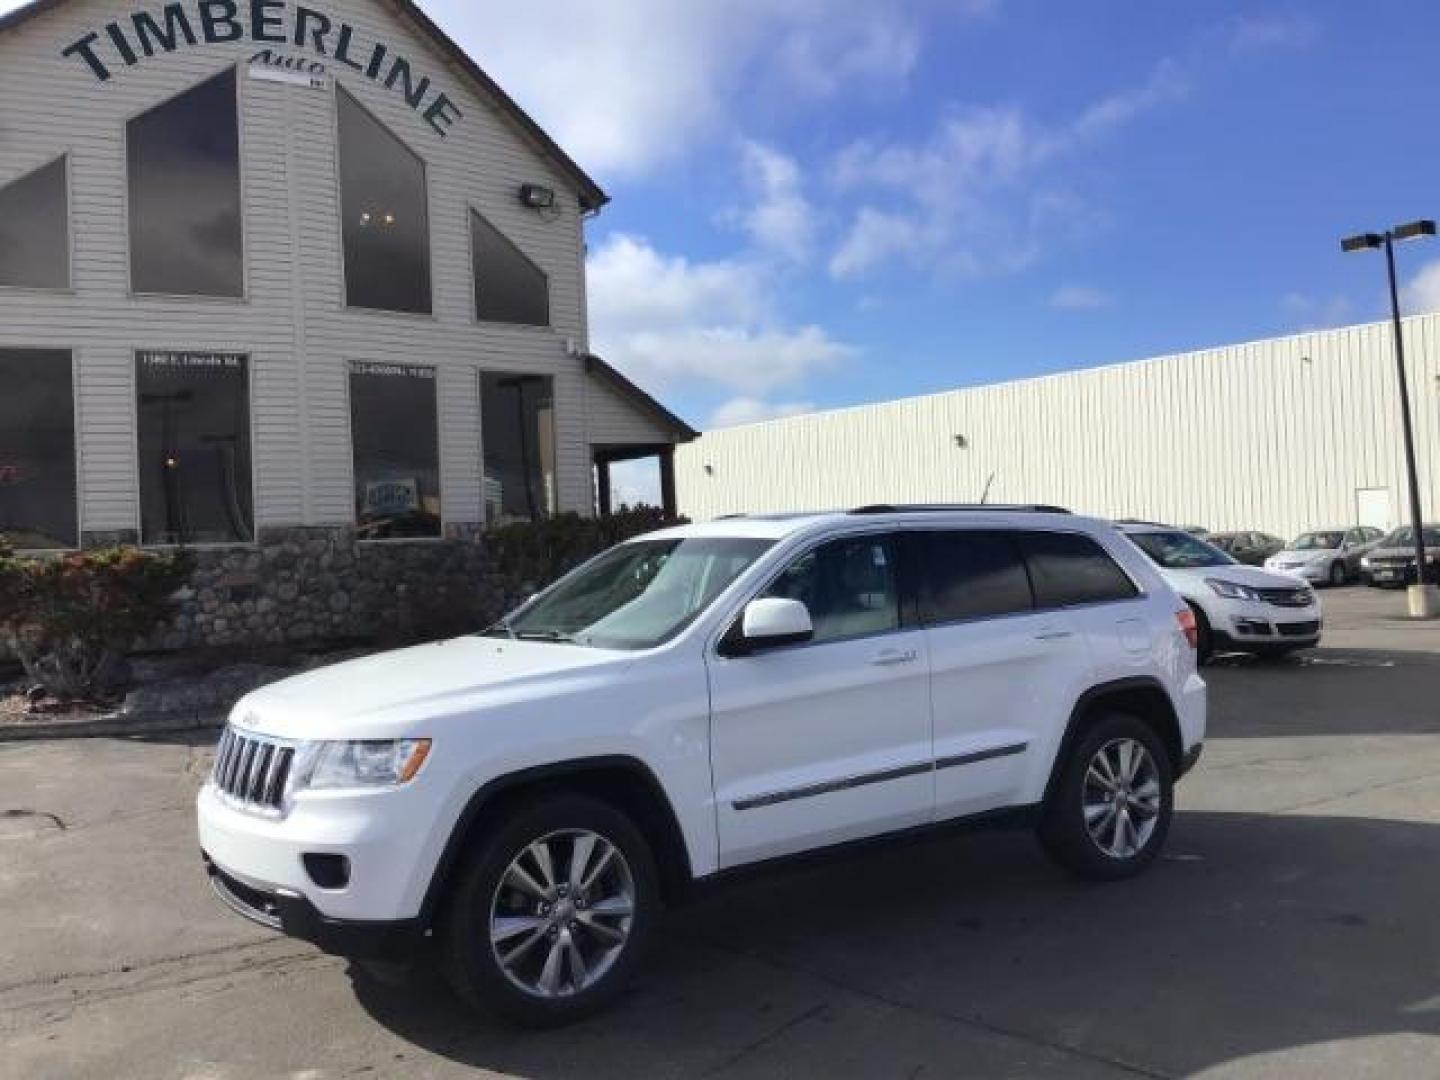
(942, 508)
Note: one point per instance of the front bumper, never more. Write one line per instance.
(1261, 626)
(292, 914)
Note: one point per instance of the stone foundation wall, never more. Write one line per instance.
(309, 586)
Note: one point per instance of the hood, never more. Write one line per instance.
(1252, 576)
(1308, 555)
(382, 696)
(1407, 552)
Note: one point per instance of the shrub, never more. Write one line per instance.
(531, 555)
(70, 618)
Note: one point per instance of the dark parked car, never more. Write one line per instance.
(1250, 548)
(1392, 564)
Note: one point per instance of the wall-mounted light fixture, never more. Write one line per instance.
(709, 470)
(537, 196)
(962, 443)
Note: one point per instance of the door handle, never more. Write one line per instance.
(892, 657)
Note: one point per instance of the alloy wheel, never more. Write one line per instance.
(562, 913)
(1122, 798)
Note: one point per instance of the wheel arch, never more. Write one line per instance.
(1143, 697)
(626, 783)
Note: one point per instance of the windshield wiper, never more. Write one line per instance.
(557, 636)
(501, 629)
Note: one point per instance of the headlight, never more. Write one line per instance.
(390, 763)
(1365, 563)
(1231, 590)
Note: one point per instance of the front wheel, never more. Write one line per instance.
(553, 914)
(1110, 810)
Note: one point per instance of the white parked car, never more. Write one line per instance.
(1327, 556)
(698, 701)
(1239, 608)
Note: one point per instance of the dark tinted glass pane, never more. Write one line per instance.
(518, 416)
(509, 288)
(185, 194)
(35, 230)
(396, 430)
(849, 587)
(195, 484)
(1071, 569)
(971, 575)
(386, 227)
(37, 450)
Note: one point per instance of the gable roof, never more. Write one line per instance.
(609, 375)
(592, 196)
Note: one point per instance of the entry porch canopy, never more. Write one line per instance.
(628, 424)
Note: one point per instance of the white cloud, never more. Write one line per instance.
(1308, 312)
(781, 219)
(1422, 295)
(748, 410)
(650, 78)
(667, 320)
(1261, 33)
(982, 194)
(1080, 298)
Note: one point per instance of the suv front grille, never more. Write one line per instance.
(252, 770)
(1292, 598)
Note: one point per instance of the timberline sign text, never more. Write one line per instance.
(125, 42)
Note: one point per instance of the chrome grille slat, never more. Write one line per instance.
(252, 770)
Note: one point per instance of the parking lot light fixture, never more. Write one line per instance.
(1423, 599)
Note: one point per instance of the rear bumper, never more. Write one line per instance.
(1191, 759)
(292, 914)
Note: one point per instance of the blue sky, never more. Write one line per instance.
(826, 202)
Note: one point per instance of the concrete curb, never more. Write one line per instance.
(107, 728)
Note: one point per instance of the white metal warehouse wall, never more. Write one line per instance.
(1276, 435)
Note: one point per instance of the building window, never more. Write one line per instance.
(395, 428)
(35, 230)
(37, 450)
(518, 416)
(509, 288)
(194, 421)
(385, 215)
(184, 161)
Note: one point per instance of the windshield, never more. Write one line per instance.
(635, 596)
(1179, 551)
(1406, 538)
(1318, 541)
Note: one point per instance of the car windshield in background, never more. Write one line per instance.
(1179, 551)
(636, 596)
(1319, 541)
(1404, 538)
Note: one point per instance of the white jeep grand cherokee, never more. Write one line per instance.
(703, 699)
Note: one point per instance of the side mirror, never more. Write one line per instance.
(771, 624)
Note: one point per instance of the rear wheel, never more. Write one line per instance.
(553, 915)
(1110, 811)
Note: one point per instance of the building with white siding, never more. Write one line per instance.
(1282, 436)
(268, 265)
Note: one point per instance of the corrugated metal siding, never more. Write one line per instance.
(293, 323)
(1274, 435)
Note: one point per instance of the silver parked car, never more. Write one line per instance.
(1391, 565)
(1327, 556)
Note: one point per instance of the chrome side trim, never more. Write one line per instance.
(829, 787)
(849, 783)
(955, 761)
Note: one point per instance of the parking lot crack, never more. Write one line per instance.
(1056, 1046)
(1368, 789)
(766, 1039)
(44, 815)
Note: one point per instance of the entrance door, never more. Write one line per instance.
(829, 741)
(1372, 509)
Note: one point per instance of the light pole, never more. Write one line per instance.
(1422, 599)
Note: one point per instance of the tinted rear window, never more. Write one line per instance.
(971, 575)
(1069, 569)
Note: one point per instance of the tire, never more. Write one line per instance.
(1205, 642)
(1339, 576)
(547, 922)
(1097, 853)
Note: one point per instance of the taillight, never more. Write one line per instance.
(1189, 627)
